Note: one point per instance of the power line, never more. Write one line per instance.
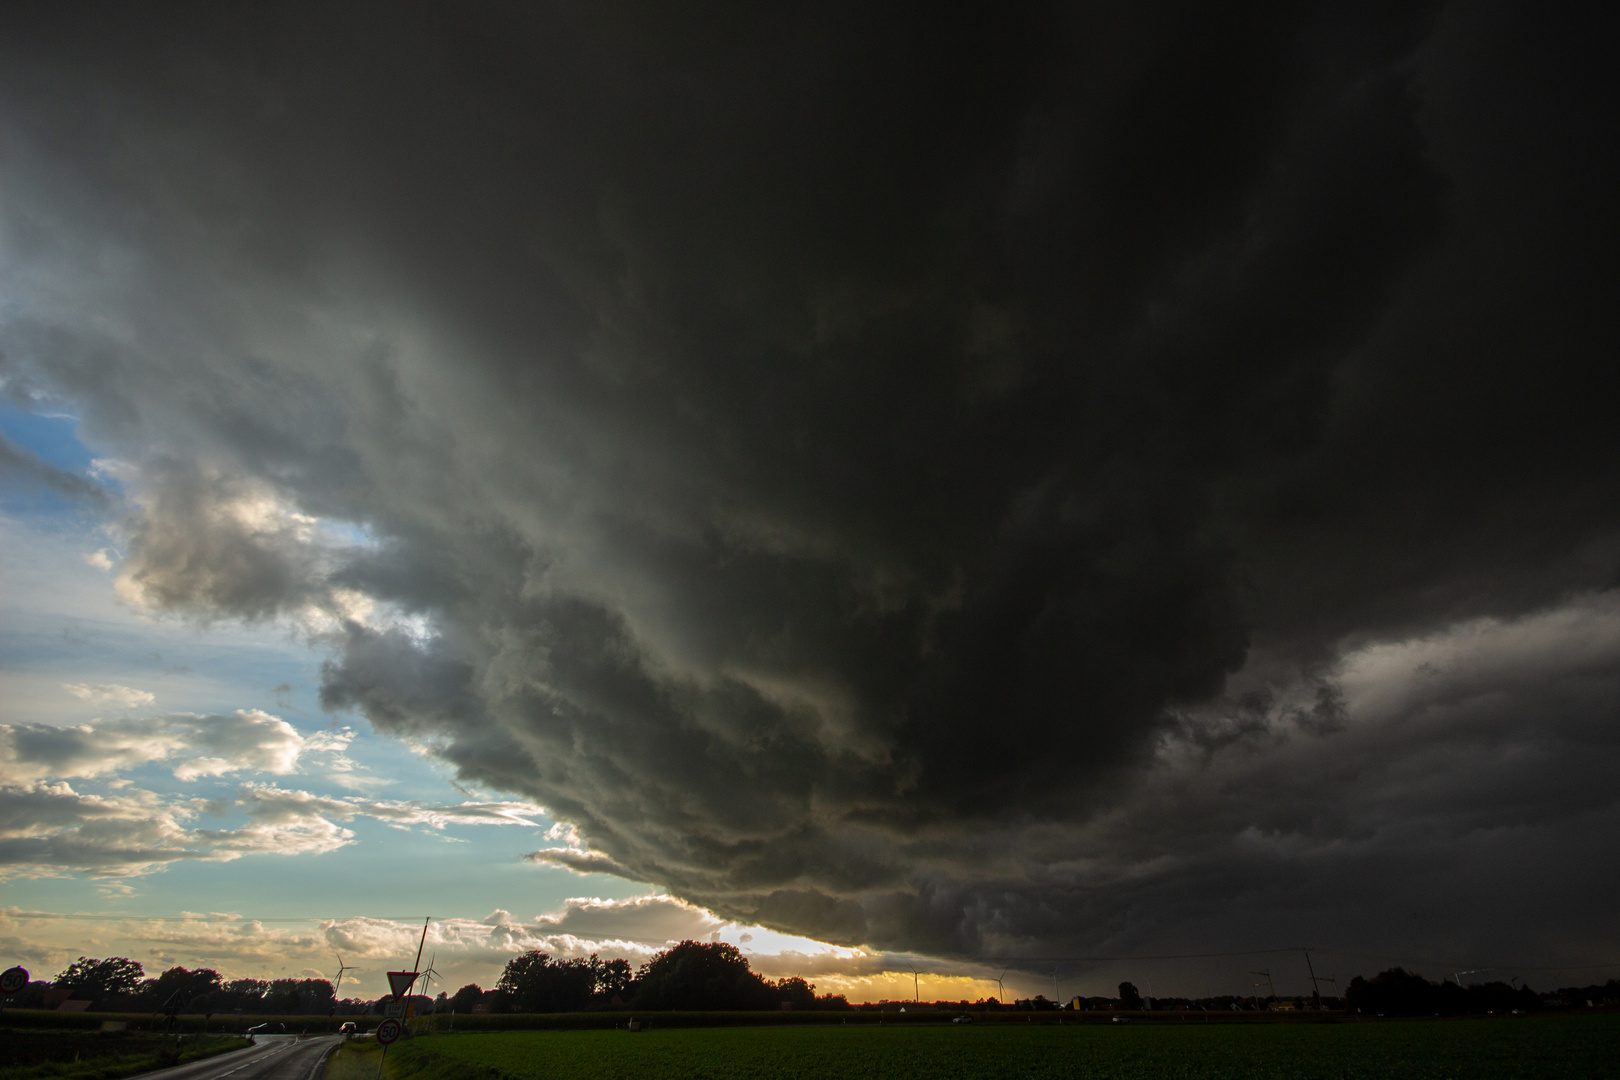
(111, 916)
(221, 919)
(1453, 964)
(1430, 961)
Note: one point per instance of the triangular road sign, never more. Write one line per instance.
(400, 982)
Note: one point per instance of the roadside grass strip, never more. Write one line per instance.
(86, 1055)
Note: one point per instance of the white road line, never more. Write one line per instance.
(320, 1059)
(274, 1050)
(262, 1057)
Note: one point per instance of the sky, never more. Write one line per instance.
(1056, 492)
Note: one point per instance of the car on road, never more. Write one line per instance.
(347, 1028)
(271, 1028)
(964, 1019)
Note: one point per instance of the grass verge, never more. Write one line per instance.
(61, 1055)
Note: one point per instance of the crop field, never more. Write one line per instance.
(1578, 1048)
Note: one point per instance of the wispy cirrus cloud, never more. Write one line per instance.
(280, 804)
(110, 693)
(24, 464)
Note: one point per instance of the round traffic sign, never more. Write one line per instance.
(389, 1030)
(13, 980)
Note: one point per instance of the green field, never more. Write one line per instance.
(1579, 1048)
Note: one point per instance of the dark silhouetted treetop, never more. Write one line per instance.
(1129, 996)
(90, 978)
(1398, 992)
(702, 975)
(534, 982)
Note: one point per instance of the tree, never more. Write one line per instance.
(613, 977)
(536, 983)
(1396, 992)
(298, 996)
(91, 979)
(466, 998)
(701, 975)
(243, 995)
(1129, 996)
(178, 988)
(796, 992)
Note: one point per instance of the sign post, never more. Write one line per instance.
(388, 1032)
(400, 983)
(12, 981)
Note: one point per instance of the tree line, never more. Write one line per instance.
(119, 984)
(1398, 992)
(693, 975)
(696, 976)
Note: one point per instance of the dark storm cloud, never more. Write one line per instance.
(911, 480)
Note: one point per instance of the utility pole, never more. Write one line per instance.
(417, 964)
(1316, 989)
(1270, 986)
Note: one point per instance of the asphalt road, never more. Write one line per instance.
(274, 1057)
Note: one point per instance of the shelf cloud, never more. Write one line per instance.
(1044, 480)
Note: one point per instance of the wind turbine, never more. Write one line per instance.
(915, 994)
(429, 974)
(1002, 988)
(342, 967)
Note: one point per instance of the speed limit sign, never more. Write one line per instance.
(13, 980)
(389, 1030)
